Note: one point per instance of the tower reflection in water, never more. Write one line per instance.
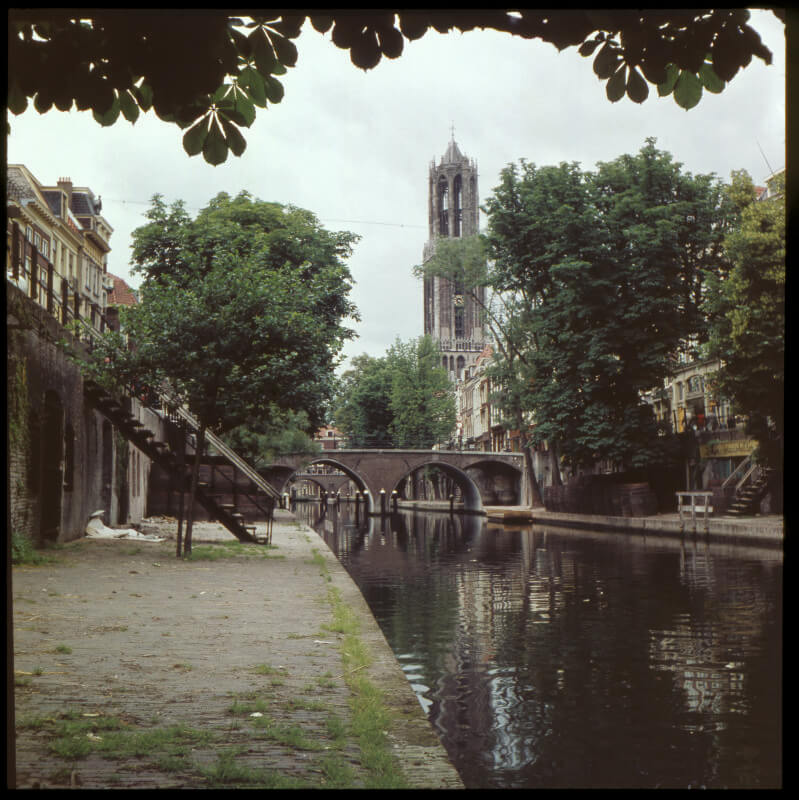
(552, 658)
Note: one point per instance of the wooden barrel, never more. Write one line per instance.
(638, 500)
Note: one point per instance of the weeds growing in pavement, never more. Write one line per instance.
(370, 716)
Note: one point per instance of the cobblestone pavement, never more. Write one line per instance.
(135, 669)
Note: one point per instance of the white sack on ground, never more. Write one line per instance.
(95, 529)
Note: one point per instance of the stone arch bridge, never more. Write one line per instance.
(484, 478)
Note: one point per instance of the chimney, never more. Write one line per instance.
(65, 184)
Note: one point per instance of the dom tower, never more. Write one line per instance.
(452, 317)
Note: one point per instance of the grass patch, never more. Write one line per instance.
(288, 735)
(62, 648)
(174, 763)
(250, 706)
(74, 735)
(337, 771)
(215, 552)
(344, 620)
(268, 669)
(175, 740)
(336, 729)
(229, 772)
(326, 681)
(299, 704)
(318, 560)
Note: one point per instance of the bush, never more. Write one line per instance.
(24, 552)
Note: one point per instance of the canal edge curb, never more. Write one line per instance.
(754, 530)
(419, 751)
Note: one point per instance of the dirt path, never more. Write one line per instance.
(137, 669)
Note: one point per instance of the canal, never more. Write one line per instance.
(550, 658)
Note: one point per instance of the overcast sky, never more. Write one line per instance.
(355, 147)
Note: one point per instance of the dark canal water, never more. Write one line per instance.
(548, 658)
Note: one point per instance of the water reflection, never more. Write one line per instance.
(551, 658)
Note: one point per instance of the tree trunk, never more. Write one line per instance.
(555, 462)
(535, 489)
(181, 488)
(195, 473)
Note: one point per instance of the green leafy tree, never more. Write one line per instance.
(270, 434)
(241, 312)
(422, 395)
(403, 399)
(209, 72)
(611, 266)
(363, 405)
(746, 308)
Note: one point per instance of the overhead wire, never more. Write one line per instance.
(320, 217)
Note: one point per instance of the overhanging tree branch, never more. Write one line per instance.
(208, 72)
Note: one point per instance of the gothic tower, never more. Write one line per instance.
(452, 316)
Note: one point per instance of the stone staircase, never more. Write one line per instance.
(182, 427)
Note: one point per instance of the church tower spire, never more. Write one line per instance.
(451, 317)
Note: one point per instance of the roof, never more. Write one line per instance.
(453, 154)
(485, 354)
(53, 198)
(121, 294)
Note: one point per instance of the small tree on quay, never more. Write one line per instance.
(241, 312)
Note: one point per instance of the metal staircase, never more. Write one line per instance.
(751, 482)
(750, 492)
(183, 426)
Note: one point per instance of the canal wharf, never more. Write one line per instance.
(136, 669)
(764, 529)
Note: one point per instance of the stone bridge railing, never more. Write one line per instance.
(484, 478)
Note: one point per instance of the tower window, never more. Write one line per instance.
(459, 327)
(457, 205)
(443, 207)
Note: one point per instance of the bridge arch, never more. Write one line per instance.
(472, 499)
(287, 473)
(499, 482)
